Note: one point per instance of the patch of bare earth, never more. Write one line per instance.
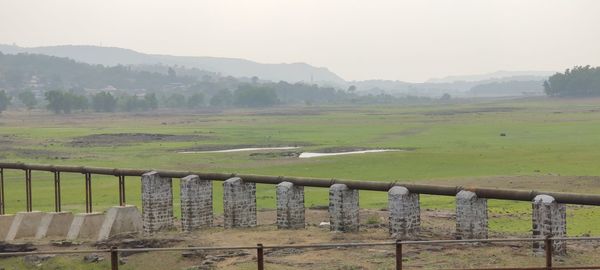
(111, 139)
(435, 225)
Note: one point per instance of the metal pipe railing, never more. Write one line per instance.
(490, 193)
(114, 251)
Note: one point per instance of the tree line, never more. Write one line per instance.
(62, 85)
(580, 81)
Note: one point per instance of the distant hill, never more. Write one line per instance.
(492, 87)
(508, 88)
(513, 75)
(43, 72)
(110, 56)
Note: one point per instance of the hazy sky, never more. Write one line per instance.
(403, 40)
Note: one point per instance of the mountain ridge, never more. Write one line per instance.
(236, 67)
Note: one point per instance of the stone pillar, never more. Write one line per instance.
(471, 216)
(239, 203)
(290, 206)
(404, 213)
(343, 209)
(196, 203)
(157, 202)
(549, 219)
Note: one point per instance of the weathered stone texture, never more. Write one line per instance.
(343, 209)
(290, 206)
(196, 203)
(157, 202)
(404, 213)
(471, 216)
(239, 203)
(549, 218)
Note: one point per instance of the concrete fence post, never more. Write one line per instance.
(290, 206)
(157, 202)
(343, 209)
(471, 216)
(549, 218)
(239, 203)
(196, 203)
(404, 213)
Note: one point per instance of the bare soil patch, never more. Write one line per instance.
(40, 154)
(435, 225)
(284, 154)
(111, 139)
(220, 147)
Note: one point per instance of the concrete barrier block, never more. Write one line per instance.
(85, 226)
(119, 220)
(5, 224)
(25, 225)
(55, 224)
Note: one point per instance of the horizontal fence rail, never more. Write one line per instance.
(489, 193)
(114, 251)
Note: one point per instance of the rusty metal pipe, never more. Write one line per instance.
(490, 193)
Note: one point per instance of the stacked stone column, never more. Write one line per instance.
(549, 220)
(239, 203)
(471, 216)
(196, 203)
(404, 213)
(157, 202)
(290, 206)
(343, 209)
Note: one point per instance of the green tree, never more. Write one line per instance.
(175, 100)
(250, 96)
(78, 102)
(104, 102)
(4, 101)
(55, 100)
(28, 99)
(195, 101)
(222, 98)
(65, 102)
(151, 103)
(580, 81)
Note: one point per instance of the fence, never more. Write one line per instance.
(399, 256)
(239, 201)
(488, 193)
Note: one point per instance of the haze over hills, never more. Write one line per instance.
(514, 75)
(500, 83)
(111, 56)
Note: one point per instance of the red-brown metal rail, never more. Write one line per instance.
(490, 193)
(114, 251)
(2, 209)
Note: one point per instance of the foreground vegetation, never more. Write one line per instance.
(547, 145)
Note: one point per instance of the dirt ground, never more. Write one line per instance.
(435, 225)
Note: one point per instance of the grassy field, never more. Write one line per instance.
(549, 145)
